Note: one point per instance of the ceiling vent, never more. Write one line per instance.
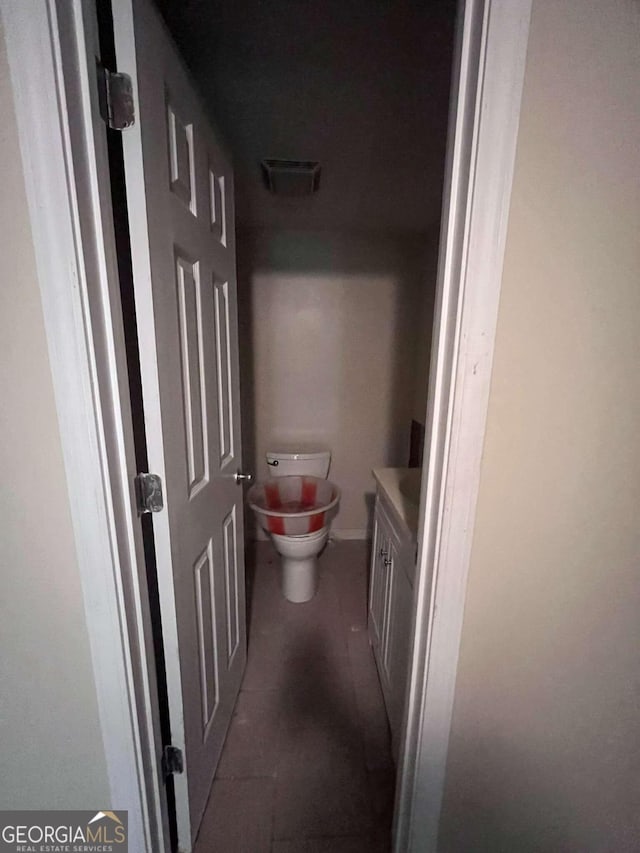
(292, 178)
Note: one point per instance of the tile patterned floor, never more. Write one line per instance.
(306, 767)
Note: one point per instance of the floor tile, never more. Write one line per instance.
(363, 666)
(322, 788)
(353, 603)
(373, 722)
(266, 602)
(306, 767)
(251, 748)
(382, 786)
(318, 692)
(238, 817)
(354, 844)
(347, 556)
(266, 654)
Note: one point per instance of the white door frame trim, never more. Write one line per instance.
(68, 195)
(488, 74)
(125, 44)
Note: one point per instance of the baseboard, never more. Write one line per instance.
(350, 533)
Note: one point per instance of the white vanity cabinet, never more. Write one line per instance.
(391, 596)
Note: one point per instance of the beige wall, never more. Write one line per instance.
(50, 741)
(545, 745)
(329, 327)
(424, 317)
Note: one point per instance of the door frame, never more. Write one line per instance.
(125, 43)
(66, 173)
(486, 94)
(78, 283)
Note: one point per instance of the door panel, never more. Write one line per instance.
(388, 619)
(223, 373)
(232, 581)
(217, 206)
(193, 373)
(207, 636)
(376, 588)
(180, 196)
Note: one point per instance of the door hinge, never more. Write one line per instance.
(172, 761)
(149, 493)
(115, 94)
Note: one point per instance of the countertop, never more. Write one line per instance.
(401, 487)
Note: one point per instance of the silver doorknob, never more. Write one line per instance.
(242, 478)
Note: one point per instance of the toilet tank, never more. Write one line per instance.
(291, 461)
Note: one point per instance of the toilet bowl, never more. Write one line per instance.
(299, 555)
(295, 507)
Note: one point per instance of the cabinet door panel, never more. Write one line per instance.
(390, 603)
(376, 589)
(400, 648)
(389, 626)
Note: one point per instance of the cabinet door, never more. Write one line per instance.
(390, 603)
(399, 647)
(376, 588)
(389, 621)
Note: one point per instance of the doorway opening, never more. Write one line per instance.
(335, 304)
(466, 324)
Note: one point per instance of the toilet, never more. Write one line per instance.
(295, 506)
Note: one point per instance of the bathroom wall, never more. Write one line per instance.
(329, 332)
(545, 743)
(424, 315)
(51, 744)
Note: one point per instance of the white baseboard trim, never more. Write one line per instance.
(350, 533)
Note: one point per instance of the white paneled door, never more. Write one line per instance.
(180, 201)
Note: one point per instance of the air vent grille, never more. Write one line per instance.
(292, 178)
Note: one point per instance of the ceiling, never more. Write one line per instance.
(362, 86)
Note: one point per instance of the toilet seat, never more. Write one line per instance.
(303, 537)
